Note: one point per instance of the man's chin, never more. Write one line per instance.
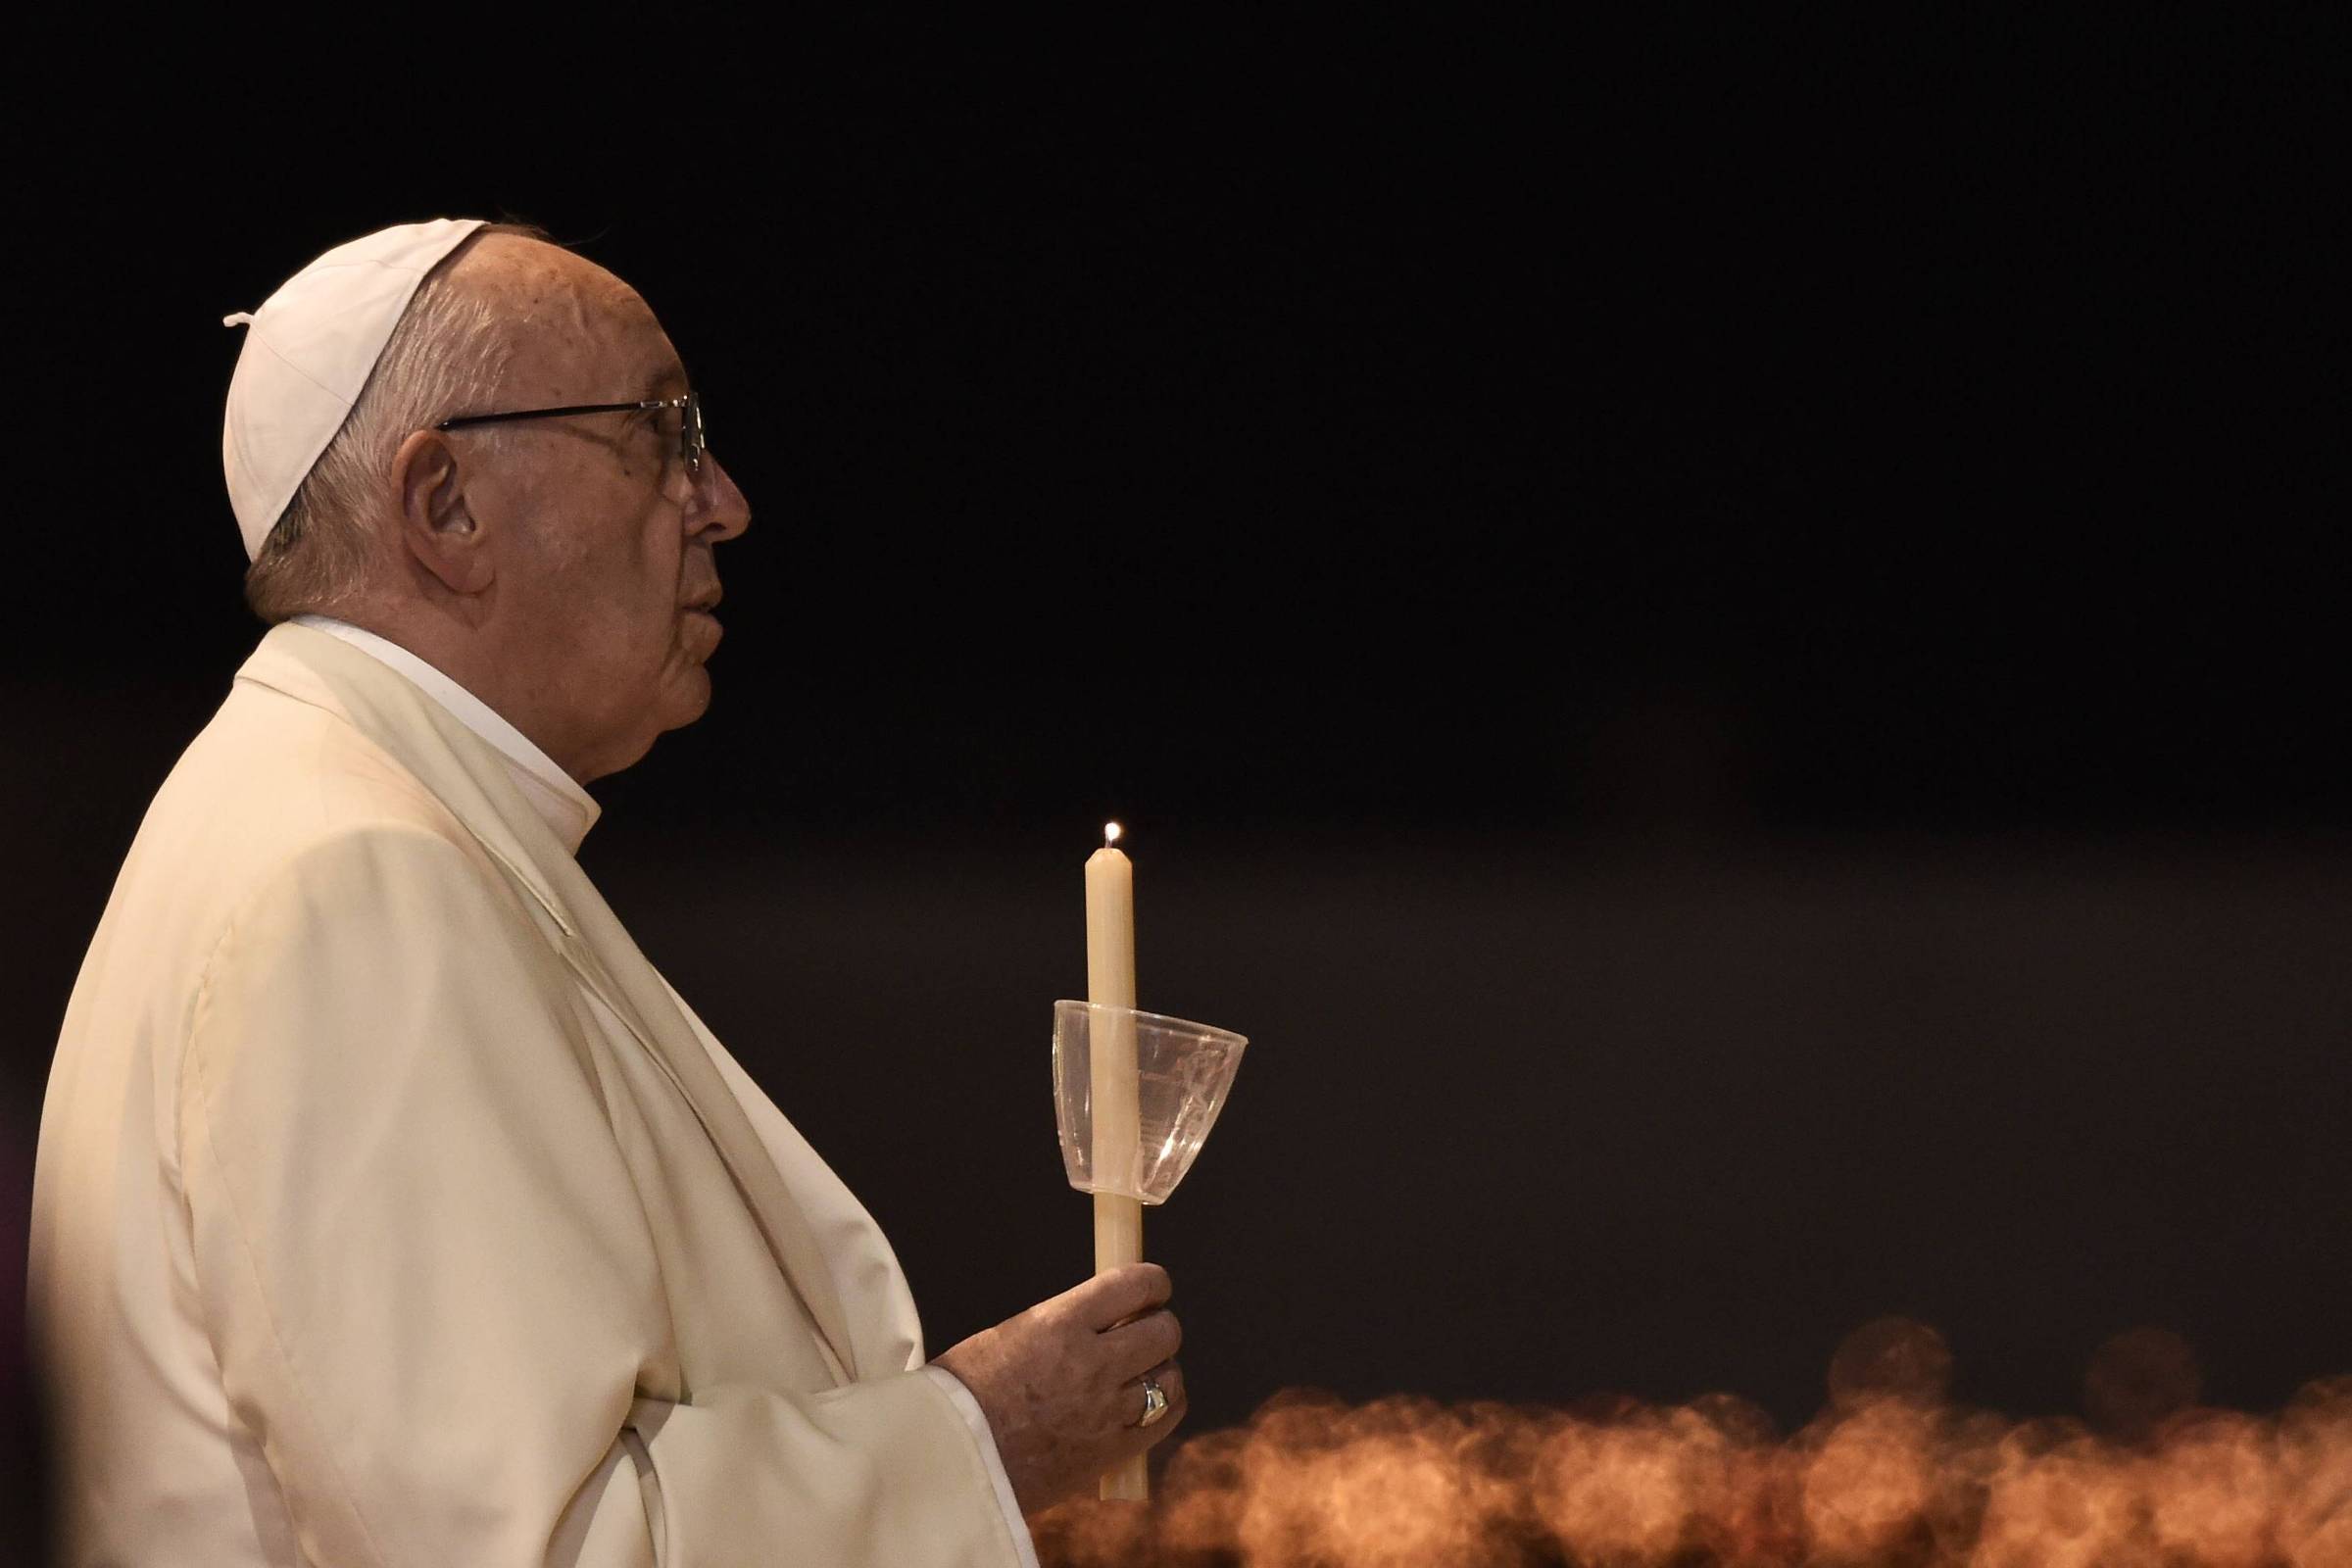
(676, 706)
(687, 699)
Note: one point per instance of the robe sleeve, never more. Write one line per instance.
(429, 1282)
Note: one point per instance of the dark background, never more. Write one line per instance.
(1720, 638)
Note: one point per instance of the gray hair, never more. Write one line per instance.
(446, 357)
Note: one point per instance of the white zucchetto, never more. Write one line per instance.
(309, 350)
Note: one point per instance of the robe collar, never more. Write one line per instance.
(476, 782)
(568, 810)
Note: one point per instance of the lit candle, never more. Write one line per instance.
(1111, 1079)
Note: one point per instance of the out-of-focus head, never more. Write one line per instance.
(558, 566)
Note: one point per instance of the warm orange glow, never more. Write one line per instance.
(1889, 1474)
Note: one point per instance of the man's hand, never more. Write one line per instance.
(1061, 1384)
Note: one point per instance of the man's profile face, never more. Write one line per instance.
(609, 536)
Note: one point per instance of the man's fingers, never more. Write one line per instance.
(1125, 1292)
(1145, 1343)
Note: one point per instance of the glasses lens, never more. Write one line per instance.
(690, 433)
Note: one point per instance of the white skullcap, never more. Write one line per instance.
(308, 350)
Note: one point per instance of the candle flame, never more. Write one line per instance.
(1110, 834)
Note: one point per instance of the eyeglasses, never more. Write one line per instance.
(691, 442)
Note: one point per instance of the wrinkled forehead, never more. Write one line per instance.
(579, 334)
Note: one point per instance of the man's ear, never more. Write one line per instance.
(436, 530)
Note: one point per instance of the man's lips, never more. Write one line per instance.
(703, 610)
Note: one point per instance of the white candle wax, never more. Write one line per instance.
(1113, 1085)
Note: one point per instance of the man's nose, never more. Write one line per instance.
(719, 509)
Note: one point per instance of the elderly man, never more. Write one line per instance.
(391, 1207)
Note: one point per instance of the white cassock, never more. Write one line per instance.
(390, 1208)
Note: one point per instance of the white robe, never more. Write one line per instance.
(390, 1208)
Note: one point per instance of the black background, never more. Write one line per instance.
(1721, 637)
